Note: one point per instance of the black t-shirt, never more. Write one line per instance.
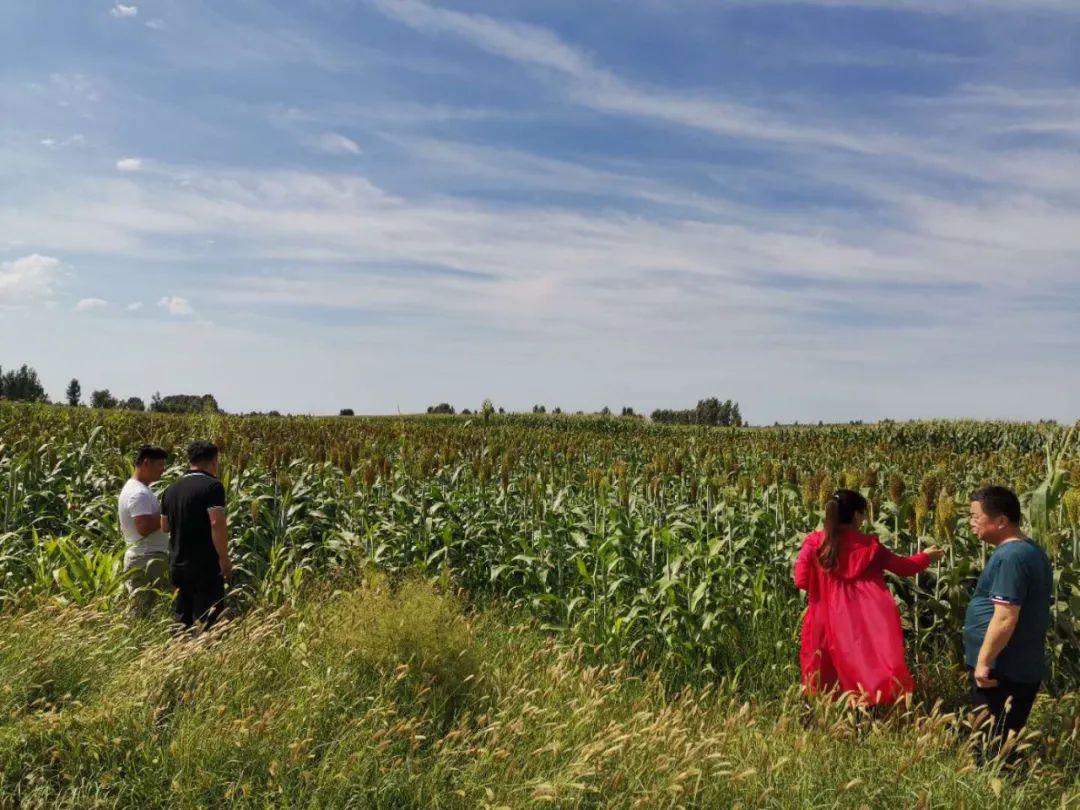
(186, 504)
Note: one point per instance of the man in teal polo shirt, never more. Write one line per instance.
(1008, 616)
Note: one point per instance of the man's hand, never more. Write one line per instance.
(1002, 625)
(983, 680)
(226, 567)
(934, 553)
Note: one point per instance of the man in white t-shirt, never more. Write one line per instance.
(146, 561)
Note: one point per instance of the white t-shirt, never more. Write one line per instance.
(137, 499)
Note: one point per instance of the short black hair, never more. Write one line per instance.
(201, 452)
(998, 501)
(149, 452)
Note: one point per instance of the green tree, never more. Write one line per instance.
(708, 411)
(73, 393)
(22, 385)
(103, 399)
(184, 403)
(133, 404)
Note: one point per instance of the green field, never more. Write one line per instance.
(448, 611)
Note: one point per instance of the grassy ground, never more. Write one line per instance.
(378, 698)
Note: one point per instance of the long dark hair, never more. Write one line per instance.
(839, 511)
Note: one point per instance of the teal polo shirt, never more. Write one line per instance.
(1017, 573)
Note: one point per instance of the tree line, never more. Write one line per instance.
(24, 385)
(709, 411)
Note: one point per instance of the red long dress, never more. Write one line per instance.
(851, 636)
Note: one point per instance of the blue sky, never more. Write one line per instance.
(823, 209)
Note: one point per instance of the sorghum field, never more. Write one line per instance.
(453, 612)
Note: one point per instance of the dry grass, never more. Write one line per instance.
(381, 698)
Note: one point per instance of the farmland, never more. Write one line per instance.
(642, 570)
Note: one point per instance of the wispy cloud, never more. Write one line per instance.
(129, 164)
(603, 90)
(134, 306)
(334, 143)
(72, 140)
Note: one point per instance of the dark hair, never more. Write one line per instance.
(839, 511)
(201, 452)
(149, 452)
(998, 501)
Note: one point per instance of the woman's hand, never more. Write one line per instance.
(934, 553)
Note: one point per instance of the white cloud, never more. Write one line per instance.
(335, 144)
(87, 304)
(120, 11)
(134, 306)
(29, 278)
(155, 24)
(175, 305)
(130, 164)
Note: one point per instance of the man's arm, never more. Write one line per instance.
(1001, 628)
(145, 513)
(219, 533)
(147, 524)
(164, 523)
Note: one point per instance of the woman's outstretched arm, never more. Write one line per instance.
(909, 566)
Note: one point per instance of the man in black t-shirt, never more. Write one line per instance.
(193, 515)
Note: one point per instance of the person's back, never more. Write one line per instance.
(187, 505)
(193, 512)
(851, 637)
(861, 557)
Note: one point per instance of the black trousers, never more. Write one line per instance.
(1009, 703)
(200, 596)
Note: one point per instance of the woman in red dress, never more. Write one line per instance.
(851, 637)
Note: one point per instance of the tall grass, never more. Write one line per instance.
(374, 697)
